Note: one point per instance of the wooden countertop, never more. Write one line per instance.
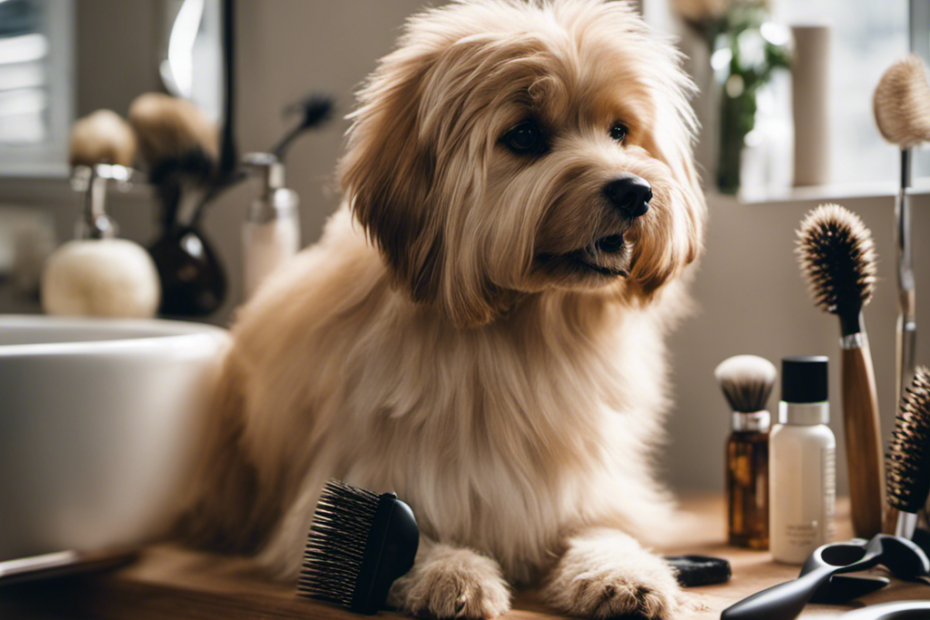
(172, 583)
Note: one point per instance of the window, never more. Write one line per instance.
(35, 85)
(866, 37)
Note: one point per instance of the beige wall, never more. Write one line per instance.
(750, 298)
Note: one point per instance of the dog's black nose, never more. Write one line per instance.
(630, 194)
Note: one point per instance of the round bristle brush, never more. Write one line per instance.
(359, 544)
(902, 103)
(908, 457)
(837, 257)
(746, 381)
(902, 113)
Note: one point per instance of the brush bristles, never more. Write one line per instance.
(102, 137)
(314, 110)
(746, 381)
(902, 103)
(336, 544)
(837, 257)
(908, 458)
(171, 128)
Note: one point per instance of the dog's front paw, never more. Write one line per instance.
(607, 575)
(452, 583)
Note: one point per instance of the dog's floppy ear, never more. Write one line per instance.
(387, 173)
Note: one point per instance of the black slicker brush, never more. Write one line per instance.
(359, 543)
(908, 457)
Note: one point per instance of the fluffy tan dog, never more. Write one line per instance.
(480, 328)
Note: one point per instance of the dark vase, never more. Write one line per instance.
(192, 279)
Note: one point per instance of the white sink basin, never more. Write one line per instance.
(96, 427)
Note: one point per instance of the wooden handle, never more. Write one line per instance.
(891, 520)
(863, 442)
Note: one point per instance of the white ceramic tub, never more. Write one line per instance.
(96, 427)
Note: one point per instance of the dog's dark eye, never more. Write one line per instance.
(618, 131)
(526, 139)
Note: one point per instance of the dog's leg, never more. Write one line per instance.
(451, 582)
(605, 573)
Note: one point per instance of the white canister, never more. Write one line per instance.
(810, 74)
(802, 463)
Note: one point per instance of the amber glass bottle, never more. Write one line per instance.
(747, 478)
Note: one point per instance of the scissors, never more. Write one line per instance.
(785, 601)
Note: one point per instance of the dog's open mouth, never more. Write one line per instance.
(608, 256)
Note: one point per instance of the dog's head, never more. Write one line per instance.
(513, 146)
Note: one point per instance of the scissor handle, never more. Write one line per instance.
(782, 602)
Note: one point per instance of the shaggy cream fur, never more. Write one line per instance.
(463, 335)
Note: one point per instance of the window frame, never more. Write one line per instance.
(50, 158)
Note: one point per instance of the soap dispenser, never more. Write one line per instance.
(271, 233)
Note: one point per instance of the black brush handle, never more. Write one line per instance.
(390, 553)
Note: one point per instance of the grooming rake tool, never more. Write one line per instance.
(837, 256)
(359, 543)
(902, 113)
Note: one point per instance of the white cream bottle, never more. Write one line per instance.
(271, 233)
(802, 463)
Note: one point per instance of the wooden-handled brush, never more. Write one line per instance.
(837, 256)
(902, 113)
(908, 458)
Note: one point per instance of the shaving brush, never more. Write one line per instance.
(902, 113)
(103, 147)
(908, 457)
(181, 145)
(837, 257)
(747, 381)
(102, 137)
